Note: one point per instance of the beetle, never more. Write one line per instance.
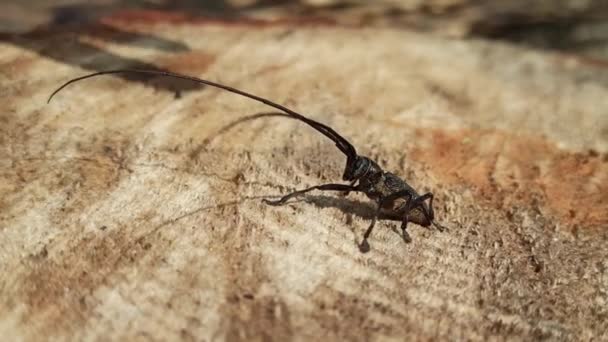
(394, 197)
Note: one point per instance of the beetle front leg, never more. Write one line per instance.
(323, 187)
(352, 184)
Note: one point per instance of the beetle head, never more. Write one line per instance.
(356, 168)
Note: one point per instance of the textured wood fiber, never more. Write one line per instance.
(129, 212)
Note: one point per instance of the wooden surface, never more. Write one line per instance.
(131, 209)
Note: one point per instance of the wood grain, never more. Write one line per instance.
(131, 209)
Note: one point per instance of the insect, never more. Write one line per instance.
(394, 198)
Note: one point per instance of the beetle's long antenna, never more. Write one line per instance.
(346, 147)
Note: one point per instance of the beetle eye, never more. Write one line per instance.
(359, 163)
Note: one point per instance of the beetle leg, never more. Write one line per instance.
(345, 193)
(364, 246)
(323, 187)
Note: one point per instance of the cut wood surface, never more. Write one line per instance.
(131, 208)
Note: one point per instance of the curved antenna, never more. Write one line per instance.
(346, 147)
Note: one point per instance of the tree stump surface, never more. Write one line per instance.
(131, 208)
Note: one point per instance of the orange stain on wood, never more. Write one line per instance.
(509, 170)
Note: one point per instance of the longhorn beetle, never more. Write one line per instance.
(394, 198)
